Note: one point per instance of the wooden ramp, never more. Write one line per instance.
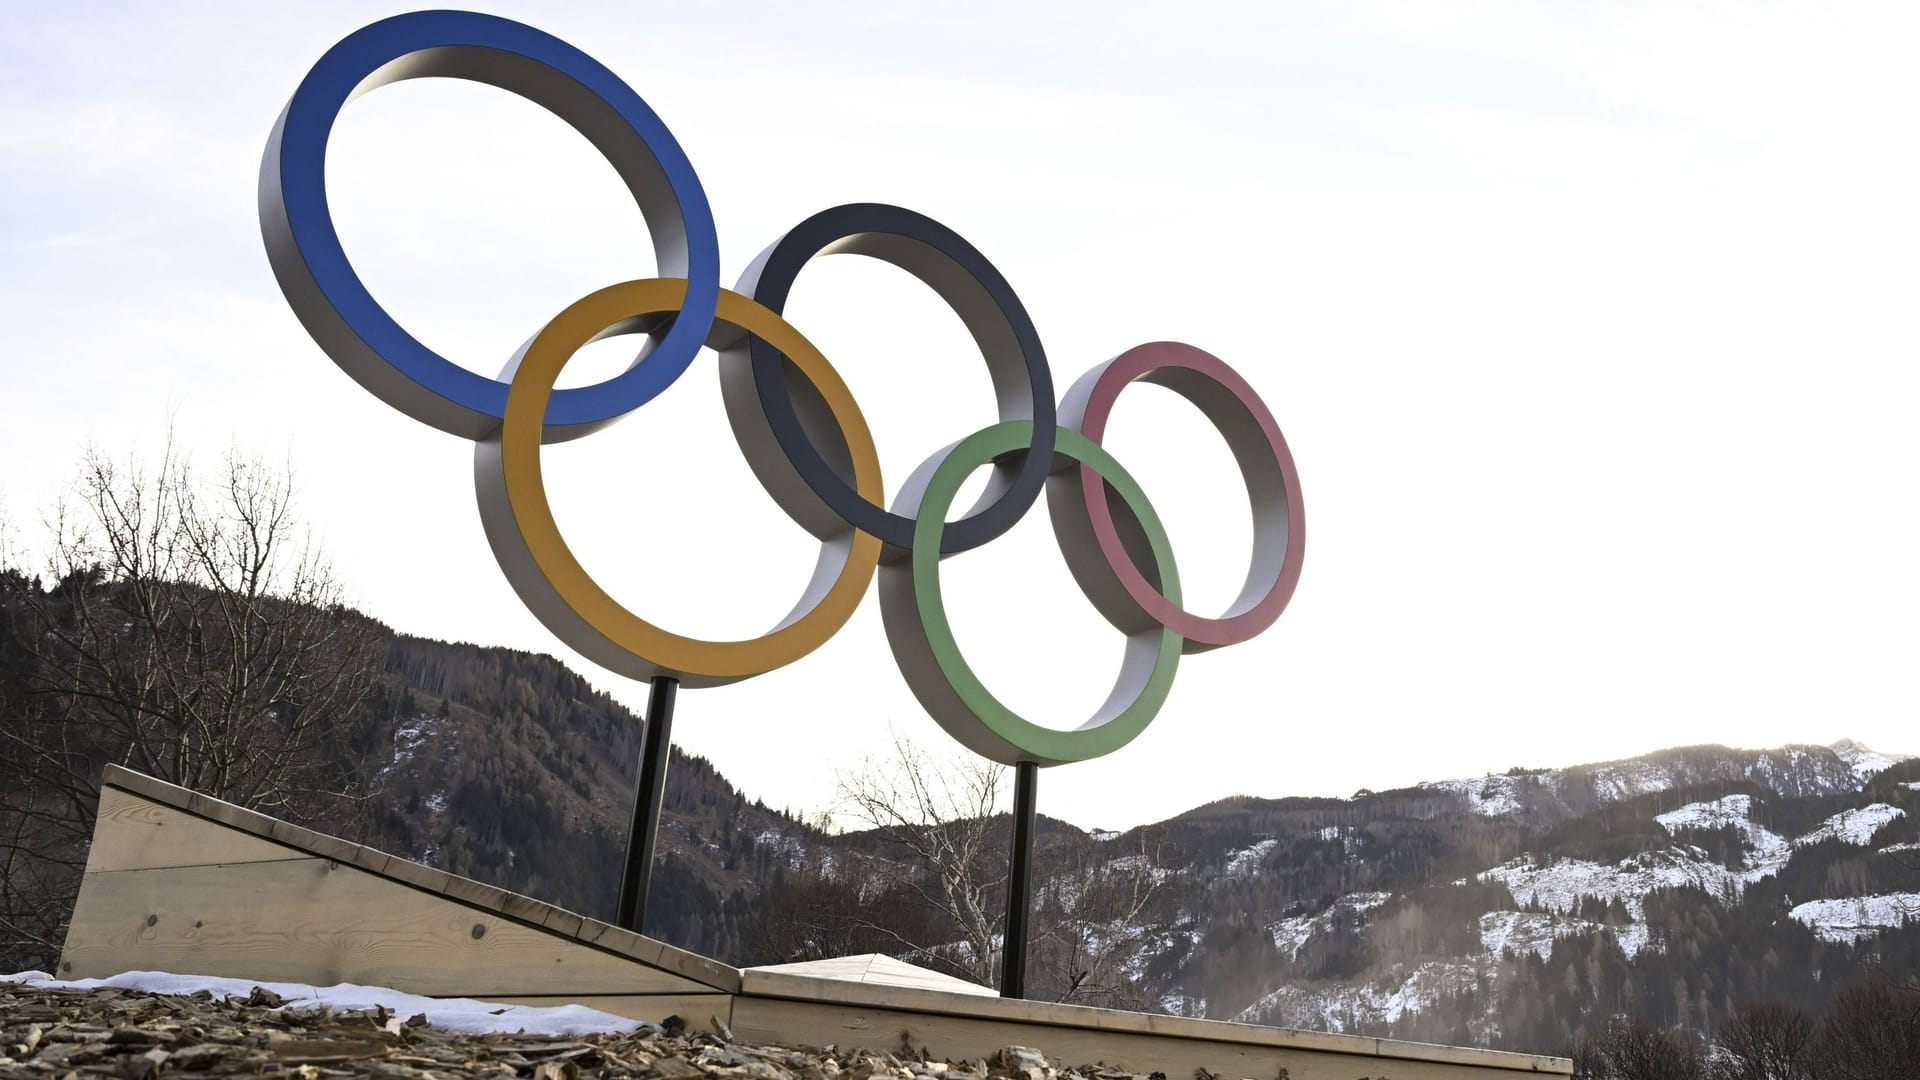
(876, 969)
(179, 882)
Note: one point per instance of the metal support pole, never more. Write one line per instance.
(647, 799)
(1013, 967)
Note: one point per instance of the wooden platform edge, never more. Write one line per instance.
(778, 986)
(792, 1008)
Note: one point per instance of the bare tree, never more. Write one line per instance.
(187, 629)
(926, 879)
(1765, 1041)
(1870, 1032)
(1631, 1049)
(944, 849)
(1090, 910)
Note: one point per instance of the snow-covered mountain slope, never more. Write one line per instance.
(1421, 912)
(1856, 826)
(1856, 918)
(1547, 794)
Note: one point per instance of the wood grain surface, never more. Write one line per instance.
(814, 1023)
(133, 833)
(320, 922)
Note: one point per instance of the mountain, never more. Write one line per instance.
(1514, 910)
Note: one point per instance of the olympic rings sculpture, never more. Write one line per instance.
(796, 422)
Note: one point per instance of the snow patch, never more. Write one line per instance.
(1368, 1007)
(1291, 935)
(1133, 864)
(1529, 931)
(1718, 814)
(1560, 886)
(1853, 919)
(1246, 861)
(1624, 780)
(1488, 796)
(451, 1014)
(1768, 851)
(1854, 826)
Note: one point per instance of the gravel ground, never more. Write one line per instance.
(134, 1035)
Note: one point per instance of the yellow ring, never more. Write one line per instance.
(647, 649)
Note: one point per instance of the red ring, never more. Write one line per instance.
(1269, 470)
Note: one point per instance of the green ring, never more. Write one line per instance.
(1032, 742)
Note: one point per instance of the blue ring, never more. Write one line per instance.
(293, 184)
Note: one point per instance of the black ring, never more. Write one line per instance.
(768, 418)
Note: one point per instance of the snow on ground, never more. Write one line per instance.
(1632, 937)
(1769, 850)
(1488, 796)
(1134, 863)
(1732, 810)
(1292, 935)
(451, 1014)
(1103, 835)
(1346, 834)
(1912, 785)
(1529, 931)
(1857, 918)
(407, 738)
(1157, 942)
(1854, 826)
(1375, 1005)
(1246, 861)
(1179, 1004)
(1559, 886)
(1894, 849)
(1626, 779)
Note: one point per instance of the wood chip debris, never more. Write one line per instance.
(135, 1035)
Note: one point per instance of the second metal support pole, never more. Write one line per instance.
(648, 798)
(1013, 968)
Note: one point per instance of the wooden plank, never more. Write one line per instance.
(698, 968)
(697, 1010)
(759, 1019)
(861, 995)
(314, 843)
(320, 922)
(238, 823)
(136, 833)
(146, 787)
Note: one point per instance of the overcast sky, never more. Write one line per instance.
(1591, 326)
